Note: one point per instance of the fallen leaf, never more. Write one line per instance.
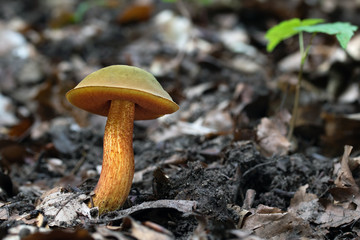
(64, 208)
(304, 205)
(4, 212)
(136, 13)
(271, 135)
(345, 178)
(60, 234)
(184, 206)
(106, 233)
(180, 128)
(21, 128)
(140, 231)
(326, 213)
(335, 215)
(346, 190)
(272, 223)
(301, 196)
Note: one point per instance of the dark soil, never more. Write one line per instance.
(219, 170)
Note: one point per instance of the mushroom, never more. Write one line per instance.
(123, 94)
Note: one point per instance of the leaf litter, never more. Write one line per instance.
(220, 168)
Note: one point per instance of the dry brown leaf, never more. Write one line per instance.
(323, 212)
(103, 232)
(336, 215)
(181, 128)
(157, 228)
(64, 207)
(4, 212)
(345, 178)
(59, 234)
(272, 223)
(304, 205)
(21, 128)
(140, 231)
(218, 119)
(346, 190)
(271, 135)
(198, 90)
(136, 13)
(301, 196)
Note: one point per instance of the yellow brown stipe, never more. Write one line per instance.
(117, 171)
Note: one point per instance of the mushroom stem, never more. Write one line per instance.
(117, 171)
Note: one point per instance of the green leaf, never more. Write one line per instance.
(343, 31)
(287, 29)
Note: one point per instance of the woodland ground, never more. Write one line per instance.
(219, 168)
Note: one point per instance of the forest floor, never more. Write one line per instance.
(221, 167)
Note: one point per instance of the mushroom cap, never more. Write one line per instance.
(96, 91)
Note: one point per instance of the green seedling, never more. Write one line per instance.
(286, 29)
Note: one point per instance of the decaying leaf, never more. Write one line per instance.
(135, 13)
(271, 135)
(301, 196)
(272, 223)
(62, 208)
(335, 215)
(304, 205)
(103, 232)
(195, 128)
(346, 190)
(21, 128)
(141, 231)
(4, 213)
(326, 213)
(59, 234)
(184, 206)
(345, 178)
